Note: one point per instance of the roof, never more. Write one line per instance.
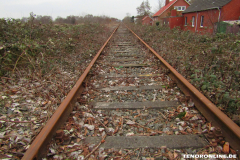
(146, 18)
(164, 8)
(201, 5)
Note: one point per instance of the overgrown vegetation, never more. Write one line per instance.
(210, 62)
(38, 46)
(40, 63)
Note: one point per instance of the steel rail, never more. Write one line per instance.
(38, 147)
(230, 130)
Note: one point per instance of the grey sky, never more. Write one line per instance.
(63, 8)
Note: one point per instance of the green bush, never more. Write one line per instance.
(210, 62)
(25, 44)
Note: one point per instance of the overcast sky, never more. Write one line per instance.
(64, 8)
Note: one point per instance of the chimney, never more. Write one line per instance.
(167, 1)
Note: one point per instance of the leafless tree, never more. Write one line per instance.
(43, 19)
(144, 8)
(160, 4)
(127, 18)
(24, 19)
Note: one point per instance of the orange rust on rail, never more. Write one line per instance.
(230, 130)
(39, 145)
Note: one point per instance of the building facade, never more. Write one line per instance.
(147, 21)
(204, 15)
(165, 12)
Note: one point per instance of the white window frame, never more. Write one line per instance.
(180, 8)
(201, 21)
(193, 21)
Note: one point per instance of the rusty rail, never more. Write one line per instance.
(38, 147)
(230, 130)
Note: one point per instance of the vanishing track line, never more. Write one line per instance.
(126, 106)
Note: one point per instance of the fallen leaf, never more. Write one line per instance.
(14, 91)
(175, 155)
(43, 103)
(59, 133)
(116, 130)
(106, 122)
(184, 133)
(170, 154)
(169, 132)
(90, 127)
(214, 144)
(226, 148)
(153, 134)
(86, 131)
(101, 129)
(189, 130)
(130, 134)
(129, 122)
(85, 151)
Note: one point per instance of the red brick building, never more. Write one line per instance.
(174, 20)
(203, 15)
(147, 20)
(165, 12)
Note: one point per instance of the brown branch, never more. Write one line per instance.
(6, 78)
(99, 121)
(102, 141)
(17, 61)
(162, 115)
(146, 127)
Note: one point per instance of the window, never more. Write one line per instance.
(180, 8)
(201, 22)
(193, 21)
(185, 21)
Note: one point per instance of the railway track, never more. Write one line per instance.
(128, 105)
